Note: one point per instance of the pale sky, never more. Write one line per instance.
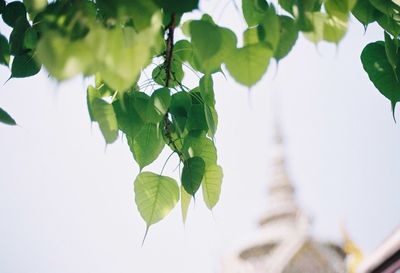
(67, 205)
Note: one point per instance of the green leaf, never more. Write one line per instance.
(380, 71)
(288, 37)
(12, 12)
(207, 90)
(197, 144)
(131, 112)
(270, 28)
(365, 12)
(181, 104)
(6, 118)
(158, 105)
(254, 11)
(4, 51)
(103, 113)
(91, 94)
(211, 185)
(155, 196)
(213, 64)
(326, 27)
(24, 66)
(183, 51)
(248, 64)
(147, 145)
(386, 6)
(192, 174)
(185, 202)
(389, 24)
(201, 33)
(178, 6)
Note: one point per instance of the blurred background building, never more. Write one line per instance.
(285, 244)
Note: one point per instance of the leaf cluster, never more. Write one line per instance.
(115, 42)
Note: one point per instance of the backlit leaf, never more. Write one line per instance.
(211, 185)
(155, 196)
(103, 113)
(147, 145)
(248, 64)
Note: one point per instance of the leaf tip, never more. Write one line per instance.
(145, 234)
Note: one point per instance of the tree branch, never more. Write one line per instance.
(170, 49)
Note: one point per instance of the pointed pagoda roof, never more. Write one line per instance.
(284, 244)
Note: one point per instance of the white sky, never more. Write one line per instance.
(67, 206)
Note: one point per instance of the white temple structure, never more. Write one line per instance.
(285, 244)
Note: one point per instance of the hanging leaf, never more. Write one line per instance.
(211, 185)
(288, 37)
(103, 113)
(248, 64)
(201, 33)
(213, 63)
(326, 27)
(147, 145)
(192, 174)
(389, 24)
(380, 71)
(24, 66)
(185, 202)
(91, 94)
(365, 12)
(155, 196)
(12, 12)
(6, 118)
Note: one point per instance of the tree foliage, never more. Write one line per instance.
(114, 41)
